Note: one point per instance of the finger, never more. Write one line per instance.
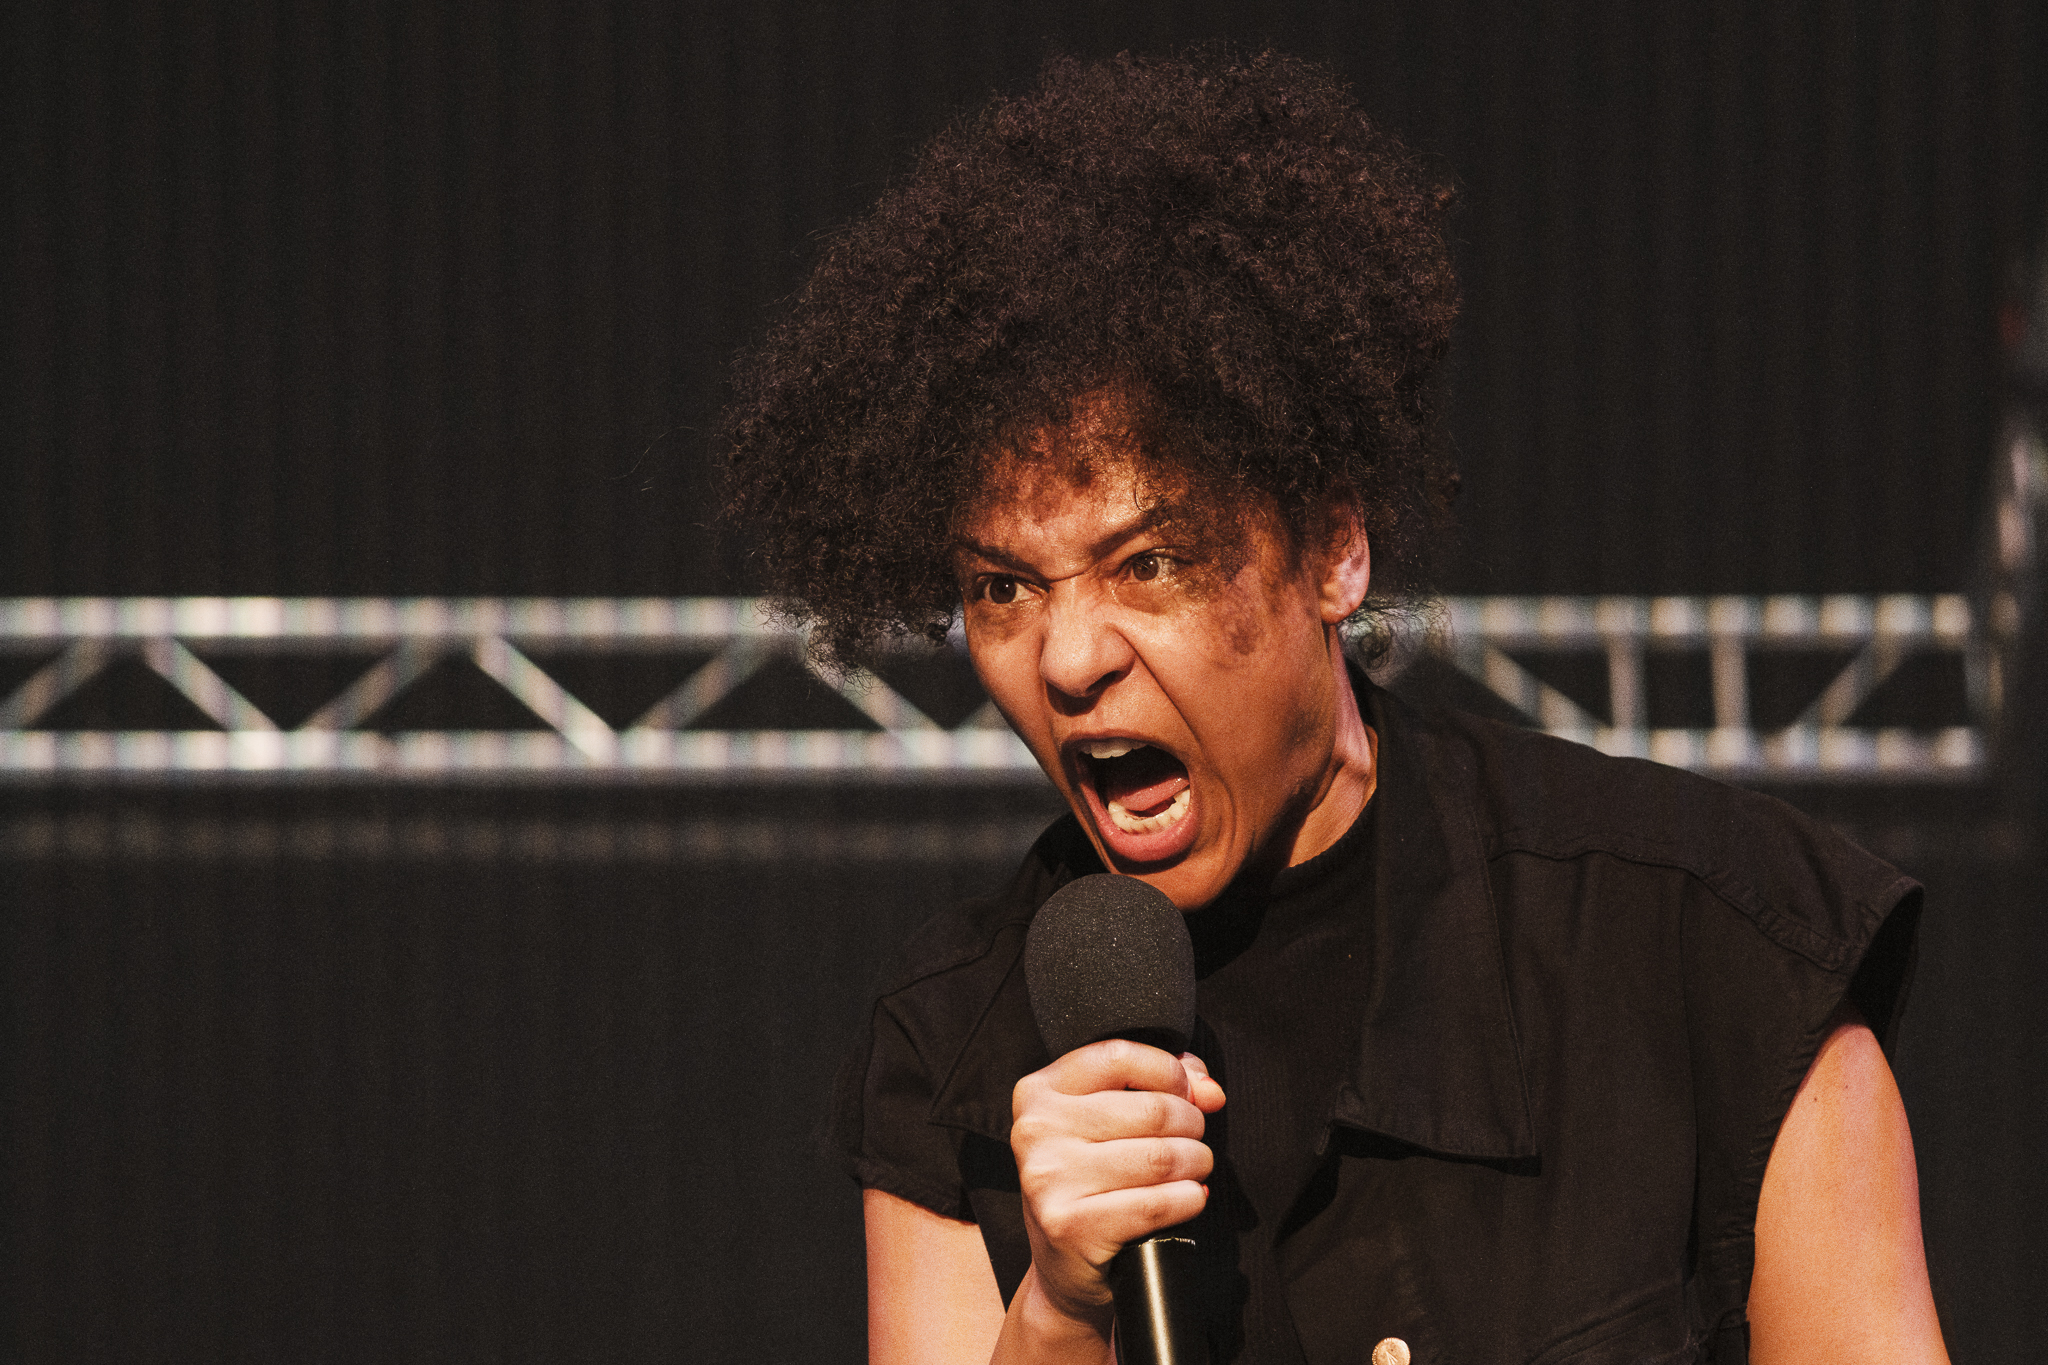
(1134, 1163)
(1203, 1091)
(1120, 1217)
(1111, 1114)
(1117, 1064)
(1060, 1173)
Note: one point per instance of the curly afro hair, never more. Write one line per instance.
(1228, 243)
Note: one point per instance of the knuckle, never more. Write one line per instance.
(1036, 1173)
(1158, 1209)
(1057, 1224)
(1115, 1054)
(1028, 1129)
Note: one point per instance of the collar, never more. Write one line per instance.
(1437, 1062)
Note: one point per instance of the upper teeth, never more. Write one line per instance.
(1109, 748)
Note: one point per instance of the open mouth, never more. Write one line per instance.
(1141, 793)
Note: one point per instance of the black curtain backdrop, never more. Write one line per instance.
(314, 298)
(356, 298)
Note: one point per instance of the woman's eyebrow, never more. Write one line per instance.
(970, 545)
(1151, 519)
(1154, 518)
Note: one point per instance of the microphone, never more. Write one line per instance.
(1110, 957)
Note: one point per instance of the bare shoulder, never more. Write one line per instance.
(932, 1296)
(1840, 1270)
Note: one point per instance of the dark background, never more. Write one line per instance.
(322, 298)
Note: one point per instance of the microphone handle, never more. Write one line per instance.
(1154, 1284)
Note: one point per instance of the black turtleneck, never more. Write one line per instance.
(1281, 972)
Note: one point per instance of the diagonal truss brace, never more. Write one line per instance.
(1479, 635)
(78, 665)
(417, 634)
(1882, 632)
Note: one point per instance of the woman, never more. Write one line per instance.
(1530, 1054)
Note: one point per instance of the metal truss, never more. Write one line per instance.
(69, 642)
(2012, 569)
(1878, 633)
(410, 636)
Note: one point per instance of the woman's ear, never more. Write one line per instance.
(1347, 571)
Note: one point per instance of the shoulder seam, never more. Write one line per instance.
(965, 956)
(1823, 950)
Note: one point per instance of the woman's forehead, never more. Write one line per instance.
(1015, 482)
(1104, 466)
(1030, 499)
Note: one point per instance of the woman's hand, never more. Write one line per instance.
(1109, 1151)
(1108, 1146)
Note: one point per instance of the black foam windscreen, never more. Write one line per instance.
(1109, 957)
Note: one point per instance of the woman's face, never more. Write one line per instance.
(1185, 703)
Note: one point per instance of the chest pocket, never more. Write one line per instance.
(1472, 1262)
(1657, 1332)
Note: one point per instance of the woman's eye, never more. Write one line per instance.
(1001, 590)
(1145, 568)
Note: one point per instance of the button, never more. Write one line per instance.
(1391, 1351)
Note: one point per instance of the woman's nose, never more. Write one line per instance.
(1083, 652)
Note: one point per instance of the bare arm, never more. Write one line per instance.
(1841, 1275)
(933, 1300)
(932, 1296)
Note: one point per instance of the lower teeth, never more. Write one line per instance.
(1150, 824)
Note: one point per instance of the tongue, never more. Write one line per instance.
(1142, 780)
